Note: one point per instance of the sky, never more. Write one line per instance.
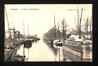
(39, 18)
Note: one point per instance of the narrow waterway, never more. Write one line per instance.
(38, 52)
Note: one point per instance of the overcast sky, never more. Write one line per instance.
(40, 17)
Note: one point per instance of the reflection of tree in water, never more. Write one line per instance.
(55, 50)
(50, 44)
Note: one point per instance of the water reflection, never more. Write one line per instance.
(38, 52)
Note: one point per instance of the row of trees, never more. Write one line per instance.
(56, 33)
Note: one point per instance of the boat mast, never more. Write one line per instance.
(28, 38)
(8, 27)
(78, 25)
(54, 28)
(23, 39)
(81, 20)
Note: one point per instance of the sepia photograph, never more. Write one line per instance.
(48, 33)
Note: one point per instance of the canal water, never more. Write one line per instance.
(38, 52)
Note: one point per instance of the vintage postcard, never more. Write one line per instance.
(48, 32)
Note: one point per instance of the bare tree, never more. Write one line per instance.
(86, 26)
(64, 25)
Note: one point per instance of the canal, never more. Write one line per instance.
(39, 51)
